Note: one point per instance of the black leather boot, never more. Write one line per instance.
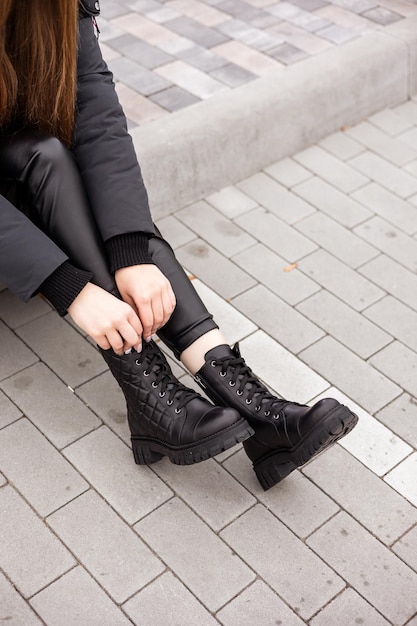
(287, 434)
(165, 417)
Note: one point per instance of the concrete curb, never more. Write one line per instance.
(218, 142)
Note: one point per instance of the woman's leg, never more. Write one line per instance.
(165, 417)
(45, 184)
(287, 434)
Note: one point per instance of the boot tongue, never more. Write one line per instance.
(219, 352)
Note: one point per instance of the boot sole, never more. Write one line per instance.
(147, 451)
(277, 465)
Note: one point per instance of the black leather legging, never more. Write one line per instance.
(40, 177)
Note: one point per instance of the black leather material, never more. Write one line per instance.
(287, 434)
(167, 418)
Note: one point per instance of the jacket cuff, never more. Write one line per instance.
(63, 286)
(128, 249)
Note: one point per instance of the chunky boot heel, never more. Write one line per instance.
(165, 417)
(143, 455)
(287, 434)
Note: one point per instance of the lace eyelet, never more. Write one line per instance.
(231, 383)
(161, 394)
(275, 417)
(154, 385)
(137, 362)
(248, 401)
(257, 408)
(146, 373)
(222, 374)
(239, 392)
(213, 363)
(177, 411)
(169, 402)
(267, 413)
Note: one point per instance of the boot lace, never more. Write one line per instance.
(164, 379)
(247, 383)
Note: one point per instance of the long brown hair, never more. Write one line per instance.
(38, 57)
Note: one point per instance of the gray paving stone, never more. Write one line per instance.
(256, 38)
(138, 78)
(403, 478)
(231, 201)
(174, 98)
(400, 416)
(307, 587)
(407, 111)
(276, 234)
(289, 500)
(15, 312)
(390, 122)
(288, 172)
(203, 59)
(337, 240)
(233, 324)
(390, 241)
(280, 369)
(106, 546)
(8, 411)
(349, 608)
(174, 231)
(392, 149)
(74, 595)
(108, 465)
(383, 16)
(388, 585)
(332, 202)
(374, 505)
(386, 174)
(340, 280)
(344, 324)
(338, 173)
(233, 75)
(51, 481)
(31, 555)
(406, 548)
(348, 372)
(214, 269)
(200, 490)
(104, 396)
(341, 145)
(388, 206)
(280, 320)
(219, 232)
(337, 34)
(270, 270)
(167, 601)
(192, 550)
(200, 34)
(398, 363)
(18, 354)
(258, 605)
(14, 609)
(143, 53)
(287, 53)
(63, 349)
(3, 480)
(273, 196)
(50, 405)
(393, 278)
(396, 318)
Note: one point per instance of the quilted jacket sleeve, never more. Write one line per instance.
(103, 147)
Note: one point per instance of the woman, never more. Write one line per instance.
(75, 226)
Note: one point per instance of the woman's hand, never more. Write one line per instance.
(149, 293)
(106, 319)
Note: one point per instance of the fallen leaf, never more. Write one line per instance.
(290, 268)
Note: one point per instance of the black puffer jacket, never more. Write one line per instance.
(109, 169)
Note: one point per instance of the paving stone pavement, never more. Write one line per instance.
(311, 265)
